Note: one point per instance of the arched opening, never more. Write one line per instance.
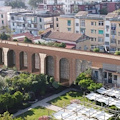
(85, 65)
(50, 65)
(23, 60)
(78, 66)
(11, 58)
(35, 63)
(1, 56)
(64, 70)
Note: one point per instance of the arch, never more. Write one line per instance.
(11, 58)
(35, 62)
(64, 69)
(50, 65)
(23, 60)
(78, 67)
(1, 56)
(85, 65)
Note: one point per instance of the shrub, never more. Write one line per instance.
(117, 52)
(55, 84)
(85, 83)
(94, 86)
(96, 50)
(27, 40)
(15, 40)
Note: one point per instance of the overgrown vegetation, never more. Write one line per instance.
(84, 80)
(117, 52)
(96, 50)
(27, 40)
(15, 4)
(4, 36)
(63, 45)
(20, 90)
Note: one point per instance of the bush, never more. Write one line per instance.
(85, 83)
(4, 36)
(55, 84)
(96, 50)
(94, 86)
(117, 52)
(15, 40)
(27, 40)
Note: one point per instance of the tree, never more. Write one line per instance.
(85, 83)
(6, 116)
(94, 86)
(4, 36)
(104, 11)
(34, 3)
(15, 4)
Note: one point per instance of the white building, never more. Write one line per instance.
(66, 3)
(29, 21)
(4, 11)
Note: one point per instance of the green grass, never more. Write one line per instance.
(65, 99)
(35, 113)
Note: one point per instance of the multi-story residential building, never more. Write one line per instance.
(102, 29)
(4, 11)
(59, 4)
(28, 21)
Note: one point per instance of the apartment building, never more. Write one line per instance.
(4, 12)
(64, 5)
(104, 30)
(29, 21)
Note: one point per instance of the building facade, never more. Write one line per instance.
(4, 15)
(102, 29)
(28, 21)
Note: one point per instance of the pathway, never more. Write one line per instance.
(43, 103)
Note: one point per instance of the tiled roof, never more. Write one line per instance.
(20, 37)
(65, 36)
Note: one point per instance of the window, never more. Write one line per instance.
(57, 25)
(56, 19)
(1, 15)
(101, 23)
(92, 23)
(92, 39)
(115, 77)
(40, 20)
(105, 74)
(107, 35)
(13, 24)
(118, 41)
(113, 32)
(69, 22)
(3, 22)
(100, 39)
(96, 74)
(106, 43)
(93, 31)
(113, 40)
(82, 30)
(82, 23)
(69, 29)
(40, 26)
(118, 33)
(77, 24)
(100, 32)
(12, 18)
(77, 31)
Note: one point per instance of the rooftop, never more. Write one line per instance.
(73, 37)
